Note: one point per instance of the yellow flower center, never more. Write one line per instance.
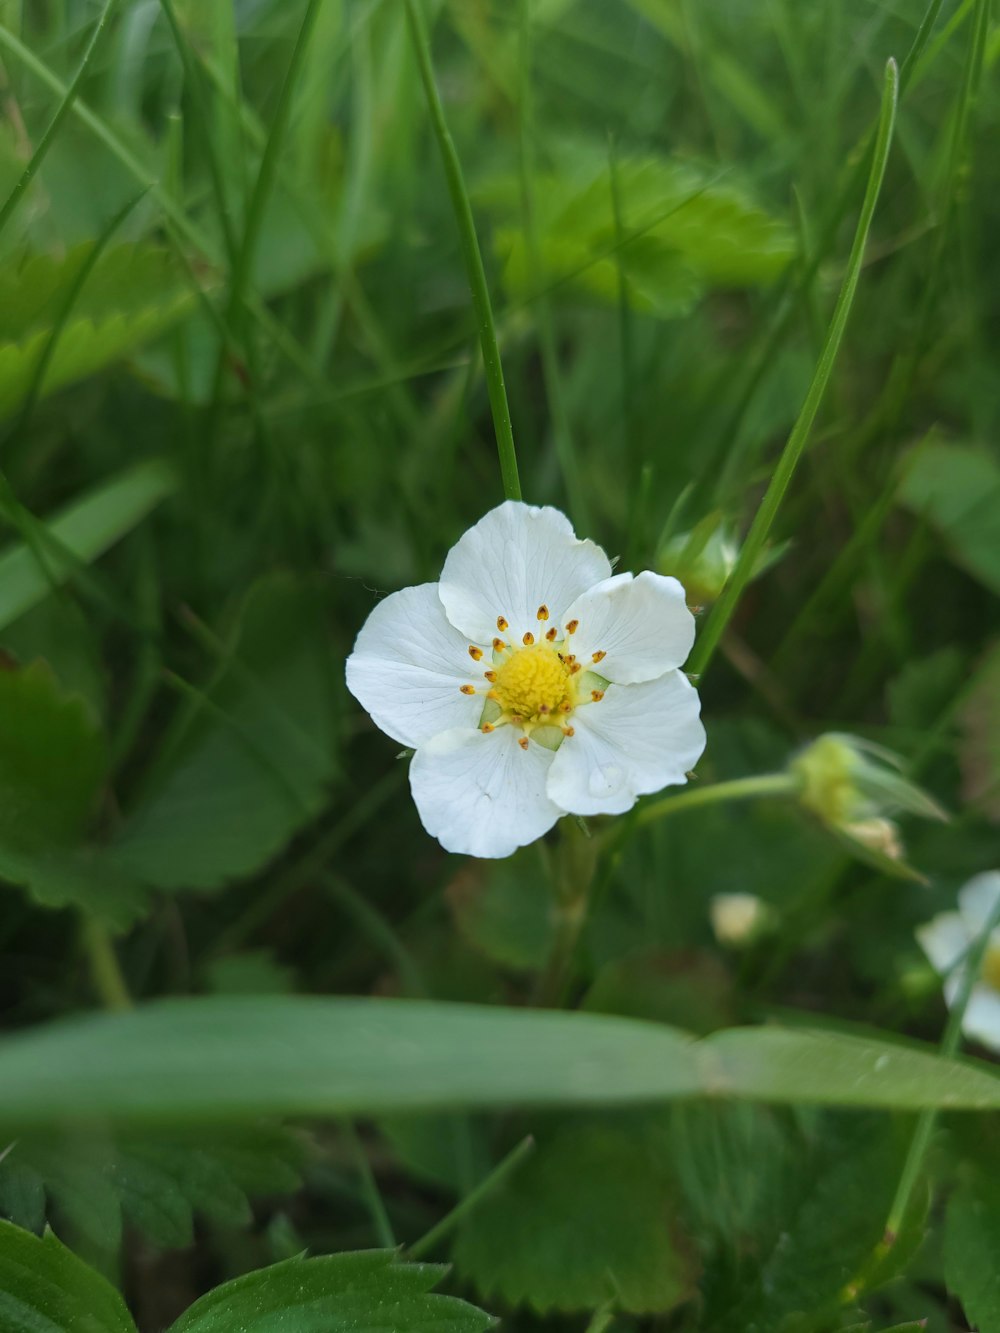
(991, 967)
(534, 681)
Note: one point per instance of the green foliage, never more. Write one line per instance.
(78, 534)
(971, 1240)
(133, 294)
(340, 1293)
(251, 757)
(979, 745)
(53, 761)
(677, 234)
(156, 1184)
(502, 908)
(957, 489)
(588, 1218)
(44, 1286)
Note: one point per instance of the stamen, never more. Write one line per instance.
(487, 727)
(528, 639)
(565, 706)
(467, 689)
(572, 627)
(597, 695)
(475, 653)
(569, 731)
(490, 676)
(498, 645)
(492, 694)
(599, 657)
(523, 742)
(501, 624)
(551, 634)
(543, 612)
(544, 709)
(574, 668)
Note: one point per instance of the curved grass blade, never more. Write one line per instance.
(799, 437)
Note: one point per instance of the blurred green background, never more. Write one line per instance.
(242, 398)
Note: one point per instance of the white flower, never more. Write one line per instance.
(531, 682)
(947, 939)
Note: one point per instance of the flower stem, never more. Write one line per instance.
(105, 971)
(575, 863)
(738, 789)
(799, 437)
(472, 1200)
(913, 1166)
(472, 255)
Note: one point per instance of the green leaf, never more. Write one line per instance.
(133, 294)
(587, 1218)
(971, 1246)
(86, 528)
(958, 489)
(366, 1292)
(253, 765)
(52, 761)
(157, 1183)
(45, 1288)
(681, 232)
(217, 1058)
(925, 688)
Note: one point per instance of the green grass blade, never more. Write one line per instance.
(62, 111)
(83, 531)
(473, 257)
(230, 1058)
(799, 437)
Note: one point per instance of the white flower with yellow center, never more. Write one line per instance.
(531, 682)
(947, 939)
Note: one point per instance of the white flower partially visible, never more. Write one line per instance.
(737, 917)
(531, 682)
(946, 941)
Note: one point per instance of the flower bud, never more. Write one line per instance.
(702, 559)
(853, 786)
(738, 918)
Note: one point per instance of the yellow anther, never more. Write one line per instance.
(475, 653)
(550, 634)
(597, 695)
(572, 627)
(543, 612)
(487, 727)
(501, 624)
(568, 731)
(498, 645)
(523, 742)
(528, 639)
(490, 675)
(599, 657)
(467, 689)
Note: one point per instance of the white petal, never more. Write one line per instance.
(977, 900)
(517, 558)
(481, 794)
(408, 666)
(638, 739)
(641, 624)
(982, 1017)
(944, 940)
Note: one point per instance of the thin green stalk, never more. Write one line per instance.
(562, 430)
(738, 789)
(242, 269)
(105, 972)
(472, 1200)
(369, 1189)
(62, 111)
(799, 437)
(472, 255)
(971, 966)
